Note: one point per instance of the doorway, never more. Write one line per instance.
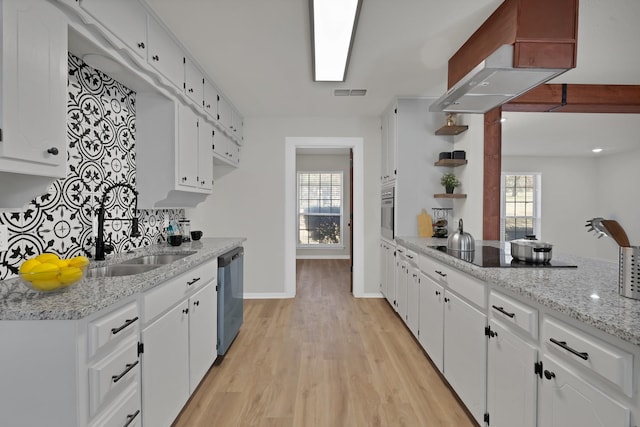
(356, 228)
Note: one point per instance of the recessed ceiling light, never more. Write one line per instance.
(333, 28)
(597, 150)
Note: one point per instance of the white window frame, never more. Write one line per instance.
(537, 203)
(342, 190)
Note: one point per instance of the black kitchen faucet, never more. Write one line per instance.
(101, 247)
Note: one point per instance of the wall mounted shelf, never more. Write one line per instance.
(450, 196)
(452, 129)
(451, 162)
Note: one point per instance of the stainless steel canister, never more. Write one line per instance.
(629, 272)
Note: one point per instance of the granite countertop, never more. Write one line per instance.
(569, 291)
(17, 302)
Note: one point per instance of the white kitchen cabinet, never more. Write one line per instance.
(203, 333)
(165, 367)
(413, 300)
(225, 151)
(125, 411)
(237, 126)
(126, 19)
(205, 155)
(383, 269)
(167, 162)
(50, 377)
(193, 81)
(511, 382)
(210, 99)
(567, 400)
(187, 147)
(224, 112)
(388, 271)
(389, 144)
(432, 320)
(33, 152)
(164, 54)
(402, 277)
(465, 353)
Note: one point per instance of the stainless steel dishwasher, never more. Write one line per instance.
(230, 297)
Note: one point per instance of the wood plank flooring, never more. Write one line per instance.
(323, 359)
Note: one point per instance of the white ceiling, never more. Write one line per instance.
(258, 51)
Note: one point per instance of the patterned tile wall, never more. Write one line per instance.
(100, 152)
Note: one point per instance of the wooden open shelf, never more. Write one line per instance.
(450, 196)
(451, 162)
(452, 129)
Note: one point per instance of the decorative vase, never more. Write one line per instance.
(449, 190)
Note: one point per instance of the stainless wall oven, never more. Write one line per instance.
(387, 213)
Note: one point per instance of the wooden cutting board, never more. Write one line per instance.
(425, 224)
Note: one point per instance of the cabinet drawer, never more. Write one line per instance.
(595, 355)
(111, 375)
(113, 326)
(467, 287)
(433, 269)
(514, 313)
(162, 297)
(125, 412)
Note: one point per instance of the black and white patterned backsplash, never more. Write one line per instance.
(100, 152)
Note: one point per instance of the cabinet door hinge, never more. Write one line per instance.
(184, 60)
(486, 418)
(537, 368)
(140, 348)
(488, 332)
(0, 135)
(395, 111)
(216, 288)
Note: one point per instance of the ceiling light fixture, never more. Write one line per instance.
(333, 28)
(597, 150)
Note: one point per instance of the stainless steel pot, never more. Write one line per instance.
(461, 241)
(531, 250)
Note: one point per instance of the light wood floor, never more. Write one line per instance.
(323, 359)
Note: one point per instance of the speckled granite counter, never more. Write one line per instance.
(19, 303)
(567, 290)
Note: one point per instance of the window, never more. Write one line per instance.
(319, 209)
(520, 207)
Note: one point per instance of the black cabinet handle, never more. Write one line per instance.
(124, 325)
(437, 293)
(502, 310)
(185, 311)
(441, 273)
(155, 57)
(563, 344)
(189, 283)
(196, 303)
(53, 151)
(208, 105)
(446, 299)
(190, 90)
(184, 179)
(548, 374)
(128, 367)
(141, 45)
(131, 417)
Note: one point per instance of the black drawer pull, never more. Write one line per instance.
(502, 310)
(563, 344)
(440, 273)
(128, 367)
(126, 323)
(141, 45)
(130, 418)
(189, 283)
(437, 293)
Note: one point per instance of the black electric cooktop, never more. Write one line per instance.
(489, 256)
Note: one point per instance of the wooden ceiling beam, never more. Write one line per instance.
(578, 98)
(543, 32)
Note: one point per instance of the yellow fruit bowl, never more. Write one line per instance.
(53, 275)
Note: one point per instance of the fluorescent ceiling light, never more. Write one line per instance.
(333, 28)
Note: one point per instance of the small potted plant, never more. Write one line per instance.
(449, 181)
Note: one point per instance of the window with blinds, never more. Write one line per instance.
(520, 207)
(320, 209)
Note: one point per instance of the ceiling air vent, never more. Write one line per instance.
(349, 92)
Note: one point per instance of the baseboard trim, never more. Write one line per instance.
(265, 295)
(322, 257)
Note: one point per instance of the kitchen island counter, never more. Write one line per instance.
(93, 294)
(588, 293)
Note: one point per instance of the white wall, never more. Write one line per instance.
(329, 163)
(568, 200)
(250, 201)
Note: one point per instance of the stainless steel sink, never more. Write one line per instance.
(158, 259)
(117, 270)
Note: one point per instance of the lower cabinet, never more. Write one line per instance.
(413, 300)
(465, 353)
(402, 272)
(511, 381)
(432, 320)
(203, 333)
(566, 400)
(165, 367)
(389, 284)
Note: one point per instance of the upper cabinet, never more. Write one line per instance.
(193, 82)
(224, 112)
(126, 19)
(164, 53)
(33, 100)
(210, 100)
